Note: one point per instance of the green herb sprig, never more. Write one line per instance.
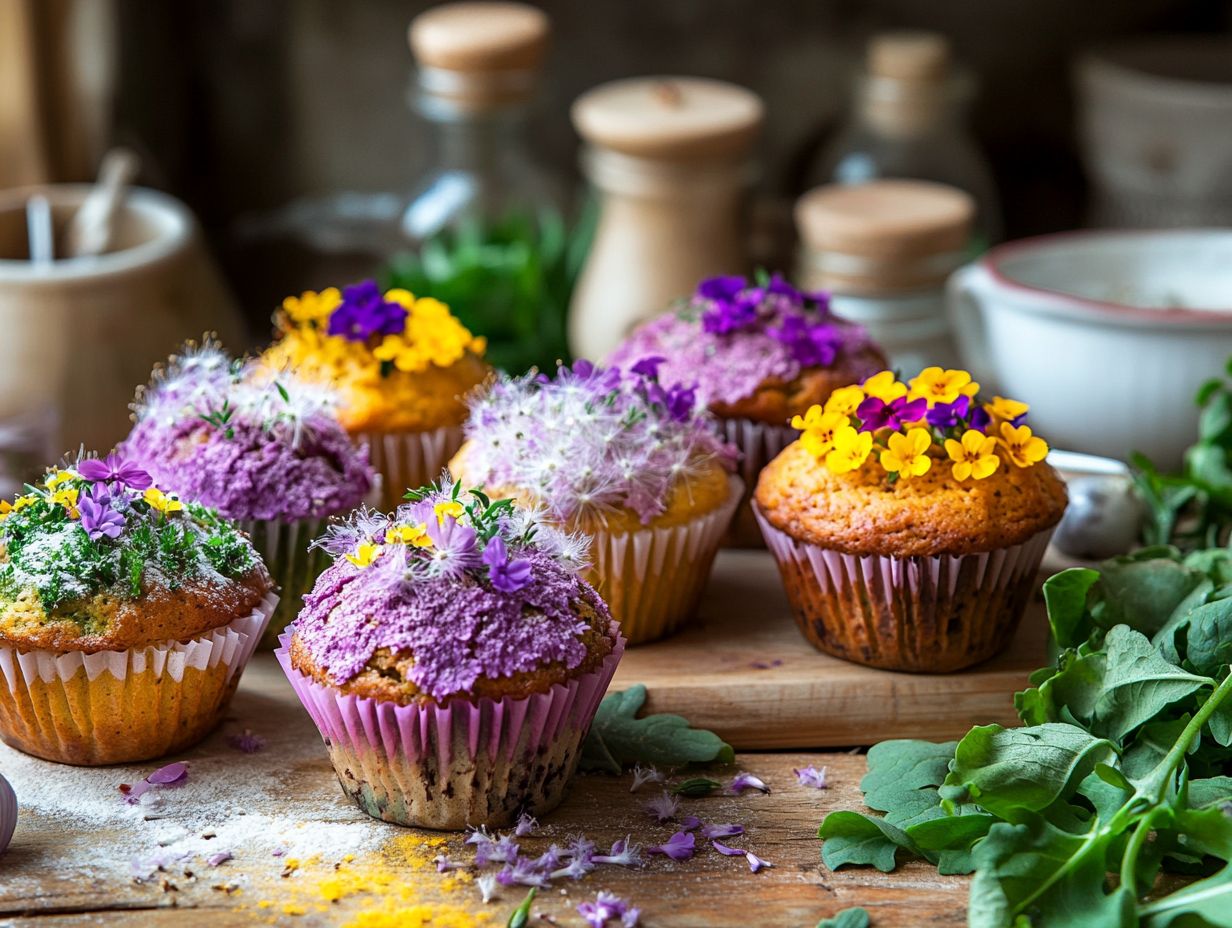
(618, 738)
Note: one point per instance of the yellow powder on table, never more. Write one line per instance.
(418, 916)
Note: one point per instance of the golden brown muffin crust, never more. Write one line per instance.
(861, 513)
(386, 676)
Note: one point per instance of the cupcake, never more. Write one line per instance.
(909, 521)
(126, 616)
(637, 467)
(453, 658)
(758, 354)
(401, 365)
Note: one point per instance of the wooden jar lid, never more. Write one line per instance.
(885, 235)
(670, 118)
(485, 51)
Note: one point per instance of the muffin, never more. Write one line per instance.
(758, 354)
(401, 365)
(636, 466)
(909, 521)
(268, 454)
(453, 658)
(126, 616)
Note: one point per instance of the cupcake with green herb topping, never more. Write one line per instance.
(126, 616)
(268, 453)
(453, 658)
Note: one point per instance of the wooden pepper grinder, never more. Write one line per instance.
(669, 157)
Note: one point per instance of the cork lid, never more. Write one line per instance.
(487, 51)
(909, 56)
(670, 118)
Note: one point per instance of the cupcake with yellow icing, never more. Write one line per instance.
(402, 366)
(910, 519)
(635, 465)
(126, 616)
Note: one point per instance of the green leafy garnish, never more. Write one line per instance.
(855, 917)
(520, 916)
(1116, 775)
(696, 787)
(619, 738)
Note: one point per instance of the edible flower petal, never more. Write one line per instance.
(756, 863)
(365, 555)
(812, 777)
(1023, 448)
(851, 449)
(727, 851)
(162, 502)
(663, 808)
(845, 401)
(907, 454)
(743, 781)
(974, 456)
(885, 387)
(941, 386)
(114, 469)
(680, 846)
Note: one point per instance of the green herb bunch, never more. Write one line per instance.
(1112, 791)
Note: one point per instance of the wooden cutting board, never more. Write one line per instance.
(743, 669)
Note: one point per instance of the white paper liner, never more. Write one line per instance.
(231, 645)
(407, 460)
(652, 579)
(759, 444)
(925, 614)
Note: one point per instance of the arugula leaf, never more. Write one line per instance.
(1207, 902)
(618, 737)
(903, 777)
(1208, 791)
(1065, 595)
(855, 839)
(1143, 589)
(854, 917)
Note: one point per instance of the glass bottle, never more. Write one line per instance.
(908, 120)
(483, 230)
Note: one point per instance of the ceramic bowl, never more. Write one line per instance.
(1107, 334)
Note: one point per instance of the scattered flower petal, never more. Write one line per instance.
(663, 808)
(727, 830)
(246, 742)
(756, 863)
(218, 858)
(526, 827)
(743, 781)
(679, 846)
(169, 775)
(643, 775)
(624, 853)
(690, 823)
(608, 907)
(487, 886)
(725, 849)
(812, 777)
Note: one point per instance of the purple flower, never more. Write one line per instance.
(505, 575)
(679, 402)
(663, 808)
(781, 287)
(722, 831)
(949, 415)
(444, 864)
(526, 826)
(812, 345)
(606, 907)
(725, 317)
(453, 546)
(624, 853)
(756, 863)
(812, 777)
(875, 414)
(114, 469)
(981, 420)
(175, 774)
(679, 846)
(648, 367)
(523, 871)
(218, 858)
(726, 850)
(642, 775)
(743, 781)
(98, 519)
(246, 742)
(365, 312)
(721, 288)
(690, 823)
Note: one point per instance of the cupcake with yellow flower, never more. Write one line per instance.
(402, 366)
(126, 616)
(909, 520)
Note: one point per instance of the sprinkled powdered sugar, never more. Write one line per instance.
(592, 439)
(224, 433)
(733, 336)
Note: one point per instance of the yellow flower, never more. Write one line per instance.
(941, 386)
(851, 449)
(66, 497)
(907, 455)
(416, 535)
(365, 554)
(447, 507)
(161, 501)
(974, 456)
(1023, 448)
(885, 387)
(403, 298)
(845, 401)
(1009, 410)
(310, 307)
(59, 477)
(17, 505)
(405, 356)
(818, 428)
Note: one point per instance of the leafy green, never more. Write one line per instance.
(520, 917)
(1116, 774)
(855, 917)
(618, 737)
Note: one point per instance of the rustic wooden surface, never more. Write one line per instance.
(743, 669)
(69, 868)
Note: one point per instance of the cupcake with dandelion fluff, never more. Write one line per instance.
(633, 463)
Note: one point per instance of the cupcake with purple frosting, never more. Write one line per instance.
(758, 353)
(268, 454)
(453, 658)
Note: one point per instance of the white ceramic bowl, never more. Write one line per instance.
(1107, 334)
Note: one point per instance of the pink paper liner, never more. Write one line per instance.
(652, 579)
(407, 460)
(491, 728)
(923, 614)
(759, 444)
(8, 813)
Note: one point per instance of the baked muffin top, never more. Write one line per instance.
(453, 595)
(227, 434)
(96, 557)
(922, 468)
(755, 350)
(597, 446)
(398, 362)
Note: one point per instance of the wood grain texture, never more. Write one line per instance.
(743, 669)
(61, 872)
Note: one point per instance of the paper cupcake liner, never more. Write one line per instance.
(294, 565)
(920, 614)
(652, 579)
(468, 762)
(759, 444)
(116, 707)
(406, 460)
